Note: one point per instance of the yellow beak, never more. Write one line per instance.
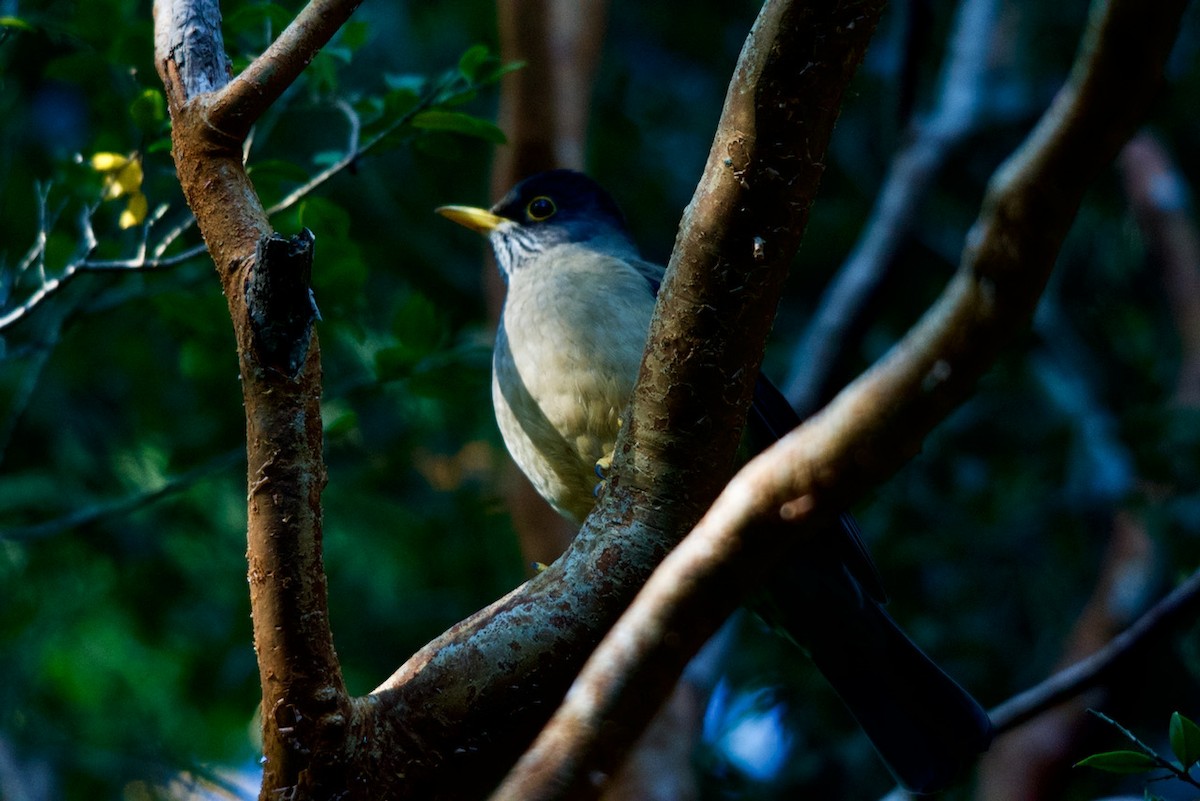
(480, 220)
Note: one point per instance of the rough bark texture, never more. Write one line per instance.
(736, 240)
(265, 280)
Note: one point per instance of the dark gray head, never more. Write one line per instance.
(556, 207)
(544, 210)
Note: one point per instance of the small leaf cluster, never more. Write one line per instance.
(1184, 736)
(415, 103)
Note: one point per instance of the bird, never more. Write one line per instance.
(576, 312)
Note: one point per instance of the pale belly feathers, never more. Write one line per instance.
(565, 362)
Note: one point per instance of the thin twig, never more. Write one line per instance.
(124, 506)
(1181, 604)
(49, 287)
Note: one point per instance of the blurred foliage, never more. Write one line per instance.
(125, 637)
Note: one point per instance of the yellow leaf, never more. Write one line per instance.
(135, 212)
(105, 162)
(130, 177)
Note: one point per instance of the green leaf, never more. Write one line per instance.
(16, 23)
(419, 325)
(149, 110)
(458, 122)
(1120, 762)
(407, 83)
(341, 53)
(327, 158)
(472, 60)
(324, 217)
(398, 102)
(277, 168)
(1185, 740)
(354, 35)
(480, 68)
(160, 145)
(499, 72)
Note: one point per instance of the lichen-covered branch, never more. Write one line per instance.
(876, 424)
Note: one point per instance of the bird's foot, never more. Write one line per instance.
(603, 464)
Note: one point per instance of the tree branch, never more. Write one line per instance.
(526, 648)
(736, 241)
(305, 707)
(877, 423)
(960, 109)
(1181, 604)
(247, 96)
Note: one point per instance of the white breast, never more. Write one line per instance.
(566, 359)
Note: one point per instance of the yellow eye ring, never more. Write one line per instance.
(540, 208)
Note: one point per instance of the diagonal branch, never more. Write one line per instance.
(877, 423)
(960, 110)
(1178, 607)
(526, 647)
(243, 100)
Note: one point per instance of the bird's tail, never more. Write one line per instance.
(926, 728)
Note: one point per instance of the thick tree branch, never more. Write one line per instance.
(306, 709)
(527, 647)
(877, 423)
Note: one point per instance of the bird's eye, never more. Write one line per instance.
(540, 208)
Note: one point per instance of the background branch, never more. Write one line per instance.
(960, 109)
(1178, 607)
